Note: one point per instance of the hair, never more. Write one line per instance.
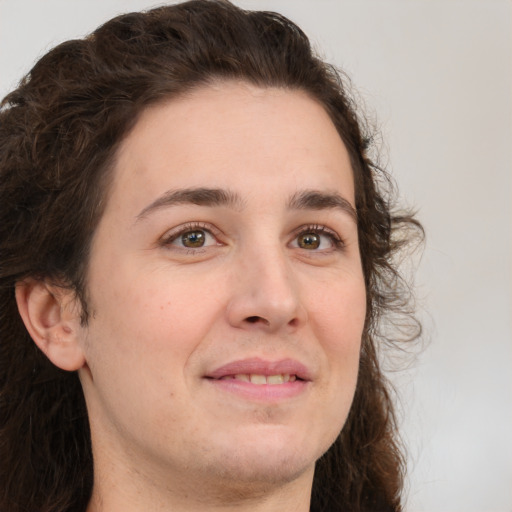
(59, 132)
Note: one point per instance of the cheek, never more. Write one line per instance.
(337, 316)
(138, 343)
(338, 310)
(150, 324)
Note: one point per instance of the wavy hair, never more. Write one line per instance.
(59, 132)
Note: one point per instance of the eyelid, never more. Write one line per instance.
(337, 241)
(174, 233)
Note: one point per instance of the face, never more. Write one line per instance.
(227, 292)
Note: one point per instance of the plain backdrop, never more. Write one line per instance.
(437, 74)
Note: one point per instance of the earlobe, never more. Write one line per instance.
(52, 319)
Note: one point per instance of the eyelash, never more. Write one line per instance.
(318, 229)
(185, 228)
(169, 238)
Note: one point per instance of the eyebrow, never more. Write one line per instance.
(202, 196)
(317, 200)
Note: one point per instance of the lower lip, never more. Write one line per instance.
(260, 392)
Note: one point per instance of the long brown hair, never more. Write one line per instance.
(59, 131)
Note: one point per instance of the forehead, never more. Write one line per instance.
(233, 132)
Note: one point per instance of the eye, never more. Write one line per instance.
(316, 238)
(190, 236)
(194, 239)
(309, 240)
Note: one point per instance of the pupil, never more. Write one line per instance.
(193, 239)
(309, 241)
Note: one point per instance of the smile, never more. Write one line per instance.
(260, 380)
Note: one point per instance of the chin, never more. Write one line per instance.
(243, 479)
(268, 459)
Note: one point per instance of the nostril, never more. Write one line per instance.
(256, 319)
(294, 322)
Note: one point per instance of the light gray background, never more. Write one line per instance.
(438, 75)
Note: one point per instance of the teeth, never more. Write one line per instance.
(259, 380)
(275, 379)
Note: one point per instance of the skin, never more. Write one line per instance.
(165, 316)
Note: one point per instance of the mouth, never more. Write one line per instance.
(261, 380)
(260, 371)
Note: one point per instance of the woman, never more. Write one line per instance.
(196, 258)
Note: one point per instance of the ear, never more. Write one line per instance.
(52, 318)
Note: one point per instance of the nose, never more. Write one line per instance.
(266, 293)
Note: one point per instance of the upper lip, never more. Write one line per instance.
(257, 366)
